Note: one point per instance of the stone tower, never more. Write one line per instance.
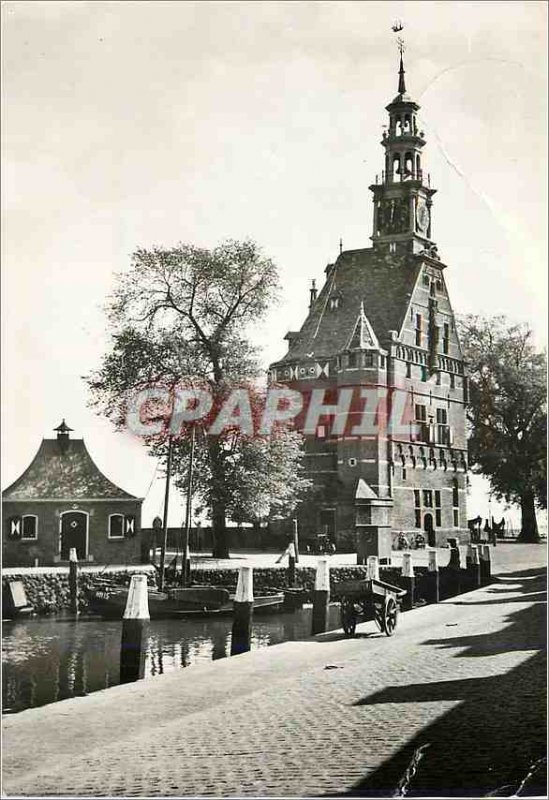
(382, 328)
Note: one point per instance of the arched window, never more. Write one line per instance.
(408, 165)
(418, 166)
(407, 124)
(396, 164)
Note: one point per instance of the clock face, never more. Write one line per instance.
(422, 217)
(394, 215)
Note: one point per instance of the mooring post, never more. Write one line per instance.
(372, 566)
(291, 564)
(73, 580)
(135, 625)
(433, 577)
(453, 571)
(408, 581)
(243, 606)
(473, 567)
(321, 597)
(296, 541)
(485, 564)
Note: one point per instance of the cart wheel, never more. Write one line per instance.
(348, 617)
(390, 616)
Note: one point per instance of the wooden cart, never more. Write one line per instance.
(368, 599)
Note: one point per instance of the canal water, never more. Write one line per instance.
(49, 659)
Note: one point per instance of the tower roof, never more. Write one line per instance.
(369, 285)
(64, 470)
(402, 98)
(63, 427)
(363, 336)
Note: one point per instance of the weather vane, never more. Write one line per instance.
(396, 28)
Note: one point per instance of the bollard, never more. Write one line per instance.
(433, 578)
(321, 597)
(485, 564)
(453, 571)
(291, 564)
(243, 612)
(135, 625)
(372, 565)
(473, 567)
(73, 581)
(408, 581)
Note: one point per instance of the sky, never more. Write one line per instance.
(135, 124)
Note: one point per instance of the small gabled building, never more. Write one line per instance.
(63, 500)
(383, 322)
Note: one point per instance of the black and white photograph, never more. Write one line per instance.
(274, 398)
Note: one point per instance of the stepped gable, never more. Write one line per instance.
(63, 469)
(383, 282)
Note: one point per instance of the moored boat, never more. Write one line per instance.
(109, 601)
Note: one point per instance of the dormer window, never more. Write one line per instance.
(334, 303)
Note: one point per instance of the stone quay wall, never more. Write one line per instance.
(47, 589)
(277, 577)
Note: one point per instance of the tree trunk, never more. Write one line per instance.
(529, 526)
(220, 543)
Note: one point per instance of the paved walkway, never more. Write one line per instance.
(260, 558)
(460, 685)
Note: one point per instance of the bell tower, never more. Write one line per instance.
(403, 199)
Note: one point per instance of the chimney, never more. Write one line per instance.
(313, 291)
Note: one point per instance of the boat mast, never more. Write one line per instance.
(185, 567)
(165, 519)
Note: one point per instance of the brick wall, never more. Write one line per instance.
(45, 548)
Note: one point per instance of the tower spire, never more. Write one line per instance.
(401, 81)
(403, 199)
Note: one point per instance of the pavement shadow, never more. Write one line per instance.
(531, 572)
(525, 630)
(489, 739)
(531, 597)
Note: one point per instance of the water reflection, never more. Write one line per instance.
(45, 660)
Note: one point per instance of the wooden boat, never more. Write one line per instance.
(109, 601)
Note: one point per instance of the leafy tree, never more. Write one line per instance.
(184, 315)
(507, 413)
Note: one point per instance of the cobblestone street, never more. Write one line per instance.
(463, 680)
